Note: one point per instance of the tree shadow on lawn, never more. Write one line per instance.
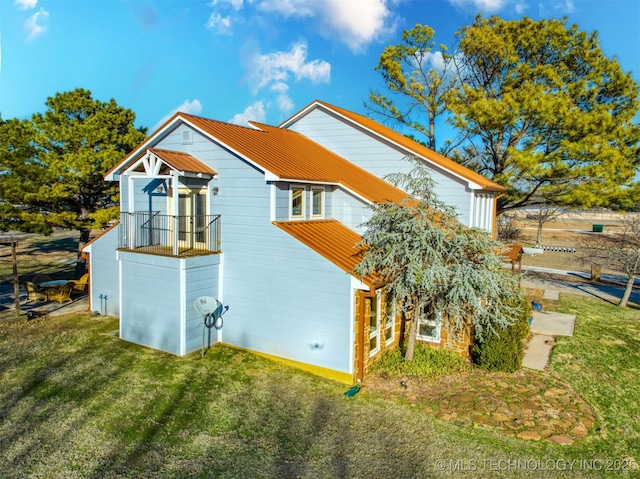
(77, 402)
(266, 426)
(42, 413)
(50, 244)
(81, 408)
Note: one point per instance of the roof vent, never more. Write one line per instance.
(186, 137)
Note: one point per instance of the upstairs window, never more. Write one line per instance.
(297, 202)
(317, 202)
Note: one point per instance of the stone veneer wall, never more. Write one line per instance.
(458, 341)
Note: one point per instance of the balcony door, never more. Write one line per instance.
(192, 218)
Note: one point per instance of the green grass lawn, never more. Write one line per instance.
(77, 402)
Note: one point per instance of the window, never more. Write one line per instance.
(297, 202)
(429, 327)
(373, 310)
(388, 325)
(317, 202)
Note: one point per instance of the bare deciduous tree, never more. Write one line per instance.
(619, 251)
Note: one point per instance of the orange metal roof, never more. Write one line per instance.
(292, 156)
(412, 146)
(182, 161)
(332, 240)
(286, 154)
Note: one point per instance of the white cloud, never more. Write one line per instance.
(284, 102)
(25, 4)
(563, 6)
(355, 23)
(520, 7)
(489, 6)
(358, 22)
(279, 67)
(435, 59)
(219, 24)
(33, 23)
(289, 8)
(193, 107)
(235, 4)
(254, 112)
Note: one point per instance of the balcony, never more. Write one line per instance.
(169, 235)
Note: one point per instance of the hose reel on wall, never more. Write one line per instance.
(211, 310)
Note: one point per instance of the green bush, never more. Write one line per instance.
(428, 362)
(504, 351)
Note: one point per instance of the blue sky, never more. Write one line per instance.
(239, 60)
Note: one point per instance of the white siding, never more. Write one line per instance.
(284, 299)
(103, 274)
(150, 303)
(379, 157)
(483, 211)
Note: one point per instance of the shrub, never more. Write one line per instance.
(509, 228)
(427, 362)
(504, 351)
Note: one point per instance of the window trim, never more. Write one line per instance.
(430, 321)
(322, 193)
(303, 206)
(390, 318)
(377, 333)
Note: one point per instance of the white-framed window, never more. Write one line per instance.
(372, 306)
(297, 202)
(317, 202)
(389, 329)
(429, 327)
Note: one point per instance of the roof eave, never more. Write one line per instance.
(489, 185)
(114, 173)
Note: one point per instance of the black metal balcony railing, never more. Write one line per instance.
(172, 235)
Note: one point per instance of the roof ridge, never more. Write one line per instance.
(220, 122)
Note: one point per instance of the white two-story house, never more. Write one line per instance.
(265, 219)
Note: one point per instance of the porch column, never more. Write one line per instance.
(131, 233)
(176, 212)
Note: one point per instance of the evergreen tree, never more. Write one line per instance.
(419, 79)
(536, 105)
(433, 265)
(52, 166)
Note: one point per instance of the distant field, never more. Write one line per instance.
(569, 231)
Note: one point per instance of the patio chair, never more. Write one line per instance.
(41, 278)
(61, 294)
(33, 292)
(79, 285)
